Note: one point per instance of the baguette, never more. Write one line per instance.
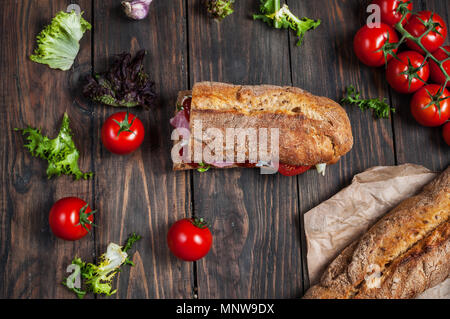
(312, 129)
(409, 248)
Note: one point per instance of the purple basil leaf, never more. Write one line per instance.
(125, 84)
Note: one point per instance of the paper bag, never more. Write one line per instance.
(346, 216)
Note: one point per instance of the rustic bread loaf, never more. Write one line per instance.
(408, 249)
(312, 129)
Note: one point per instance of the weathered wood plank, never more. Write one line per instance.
(258, 229)
(256, 248)
(324, 65)
(415, 143)
(32, 260)
(140, 192)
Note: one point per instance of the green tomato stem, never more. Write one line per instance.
(417, 40)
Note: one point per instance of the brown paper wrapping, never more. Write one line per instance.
(346, 216)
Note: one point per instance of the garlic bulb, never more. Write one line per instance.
(137, 9)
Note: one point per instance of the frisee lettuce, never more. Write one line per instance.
(281, 17)
(220, 9)
(98, 278)
(58, 43)
(61, 153)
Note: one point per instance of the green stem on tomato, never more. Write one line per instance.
(417, 40)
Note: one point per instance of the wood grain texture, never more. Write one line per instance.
(33, 261)
(139, 192)
(256, 248)
(259, 247)
(325, 65)
(415, 143)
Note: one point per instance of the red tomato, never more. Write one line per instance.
(409, 62)
(247, 164)
(388, 11)
(291, 170)
(429, 116)
(189, 239)
(416, 27)
(446, 133)
(368, 42)
(436, 74)
(71, 218)
(122, 133)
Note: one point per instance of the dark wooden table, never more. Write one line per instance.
(259, 246)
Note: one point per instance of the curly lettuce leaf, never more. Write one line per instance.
(220, 9)
(98, 278)
(61, 153)
(281, 17)
(130, 242)
(58, 43)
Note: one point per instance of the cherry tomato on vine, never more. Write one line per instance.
(368, 44)
(71, 218)
(437, 76)
(389, 13)
(292, 170)
(122, 133)
(446, 133)
(419, 23)
(408, 73)
(189, 239)
(427, 102)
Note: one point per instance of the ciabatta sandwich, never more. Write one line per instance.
(312, 130)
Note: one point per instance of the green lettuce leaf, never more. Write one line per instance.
(97, 278)
(60, 152)
(279, 17)
(220, 9)
(58, 43)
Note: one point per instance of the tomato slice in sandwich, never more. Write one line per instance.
(291, 170)
(187, 107)
(247, 164)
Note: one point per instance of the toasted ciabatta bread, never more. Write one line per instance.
(406, 252)
(312, 129)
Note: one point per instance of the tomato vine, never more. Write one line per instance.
(431, 27)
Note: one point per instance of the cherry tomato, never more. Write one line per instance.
(414, 79)
(189, 239)
(429, 116)
(388, 11)
(436, 74)
(291, 170)
(368, 42)
(446, 133)
(71, 218)
(122, 133)
(416, 27)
